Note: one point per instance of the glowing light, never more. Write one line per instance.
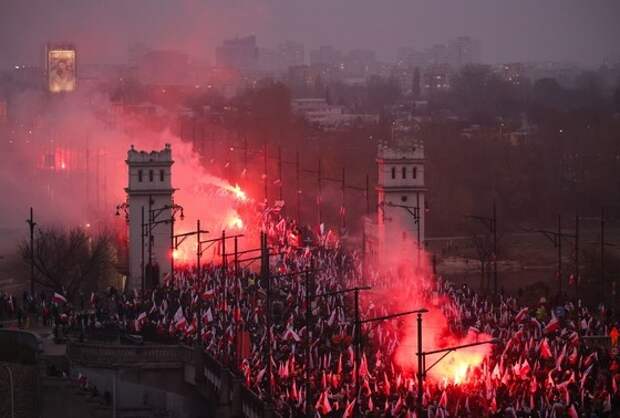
(235, 222)
(180, 256)
(61, 70)
(239, 194)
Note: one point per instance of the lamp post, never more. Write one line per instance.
(422, 369)
(556, 239)
(153, 221)
(31, 224)
(419, 313)
(358, 334)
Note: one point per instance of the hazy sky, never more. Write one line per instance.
(583, 31)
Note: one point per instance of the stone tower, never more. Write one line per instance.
(401, 194)
(149, 196)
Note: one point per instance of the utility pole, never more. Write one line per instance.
(343, 186)
(298, 186)
(280, 170)
(494, 248)
(420, 397)
(198, 252)
(142, 250)
(318, 198)
(602, 244)
(559, 253)
(265, 171)
(308, 345)
(265, 268)
(358, 343)
(31, 224)
(577, 278)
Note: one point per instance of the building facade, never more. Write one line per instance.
(398, 233)
(150, 200)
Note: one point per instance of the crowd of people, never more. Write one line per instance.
(549, 361)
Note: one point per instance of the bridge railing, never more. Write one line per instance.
(128, 356)
(222, 385)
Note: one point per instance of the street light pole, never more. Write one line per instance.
(420, 395)
(31, 223)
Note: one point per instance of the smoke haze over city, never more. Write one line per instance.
(554, 30)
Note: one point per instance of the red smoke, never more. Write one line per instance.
(412, 289)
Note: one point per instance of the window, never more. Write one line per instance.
(161, 175)
(404, 170)
(140, 176)
(150, 175)
(393, 172)
(415, 172)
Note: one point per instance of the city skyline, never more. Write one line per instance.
(564, 31)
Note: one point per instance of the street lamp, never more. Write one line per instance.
(152, 223)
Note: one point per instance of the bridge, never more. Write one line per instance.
(170, 368)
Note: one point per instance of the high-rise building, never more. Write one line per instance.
(291, 54)
(164, 67)
(238, 53)
(325, 55)
(463, 50)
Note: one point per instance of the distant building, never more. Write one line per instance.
(462, 51)
(513, 73)
(325, 55)
(149, 191)
(456, 53)
(288, 54)
(360, 63)
(436, 78)
(329, 117)
(136, 52)
(291, 54)
(398, 233)
(164, 67)
(238, 53)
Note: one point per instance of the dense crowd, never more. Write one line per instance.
(550, 360)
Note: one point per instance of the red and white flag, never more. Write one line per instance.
(521, 315)
(58, 298)
(552, 326)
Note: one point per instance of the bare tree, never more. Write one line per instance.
(483, 244)
(66, 261)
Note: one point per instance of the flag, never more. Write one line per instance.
(552, 326)
(290, 334)
(322, 405)
(572, 412)
(545, 350)
(386, 384)
(58, 298)
(348, 411)
(521, 315)
(209, 315)
(443, 402)
(179, 319)
(208, 294)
